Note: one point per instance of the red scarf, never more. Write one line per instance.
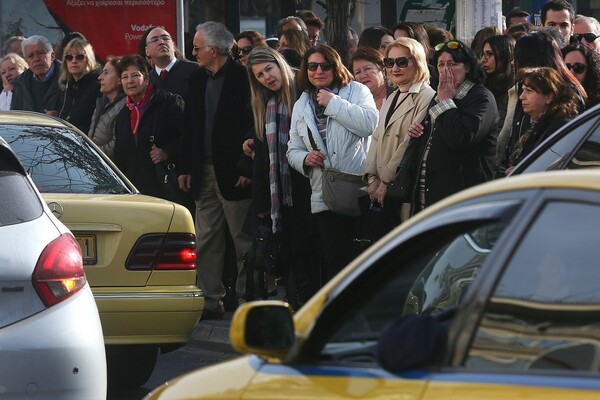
(137, 109)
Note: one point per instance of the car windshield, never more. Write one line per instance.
(59, 160)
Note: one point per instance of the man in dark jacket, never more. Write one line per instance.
(169, 73)
(217, 117)
(37, 88)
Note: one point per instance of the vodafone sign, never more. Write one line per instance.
(114, 27)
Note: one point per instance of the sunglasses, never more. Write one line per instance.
(577, 67)
(452, 45)
(486, 54)
(589, 37)
(401, 62)
(245, 50)
(325, 66)
(78, 57)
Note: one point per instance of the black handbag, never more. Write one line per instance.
(401, 186)
(261, 260)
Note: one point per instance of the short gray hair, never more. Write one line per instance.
(217, 35)
(591, 20)
(35, 40)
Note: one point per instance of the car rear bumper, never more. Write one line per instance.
(149, 315)
(57, 353)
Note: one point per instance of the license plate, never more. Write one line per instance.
(88, 248)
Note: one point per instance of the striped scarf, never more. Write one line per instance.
(277, 133)
(137, 109)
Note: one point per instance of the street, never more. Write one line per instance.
(173, 364)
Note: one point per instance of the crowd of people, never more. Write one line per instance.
(252, 123)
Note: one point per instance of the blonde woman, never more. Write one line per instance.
(406, 65)
(79, 84)
(280, 194)
(11, 66)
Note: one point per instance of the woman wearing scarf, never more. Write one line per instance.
(280, 195)
(340, 115)
(148, 128)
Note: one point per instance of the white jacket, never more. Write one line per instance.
(352, 117)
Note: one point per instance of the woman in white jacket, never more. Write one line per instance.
(341, 116)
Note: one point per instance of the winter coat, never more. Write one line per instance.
(351, 119)
(78, 100)
(23, 98)
(102, 129)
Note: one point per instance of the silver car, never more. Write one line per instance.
(51, 342)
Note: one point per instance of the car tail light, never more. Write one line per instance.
(59, 273)
(173, 251)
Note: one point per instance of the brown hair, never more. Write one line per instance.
(367, 54)
(253, 37)
(341, 75)
(547, 80)
(297, 40)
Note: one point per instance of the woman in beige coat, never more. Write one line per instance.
(406, 65)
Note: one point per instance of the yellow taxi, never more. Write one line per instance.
(138, 251)
(514, 262)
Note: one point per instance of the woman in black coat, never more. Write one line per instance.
(454, 148)
(79, 84)
(148, 130)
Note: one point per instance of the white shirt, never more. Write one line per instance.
(5, 99)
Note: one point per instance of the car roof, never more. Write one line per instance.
(31, 118)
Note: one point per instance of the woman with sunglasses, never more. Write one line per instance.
(406, 65)
(584, 63)
(338, 115)
(79, 83)
(550, 103)
(280, 194)
(245, 42)
(455, 147)
(148, 131)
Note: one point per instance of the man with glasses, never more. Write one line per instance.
(169, 73)
(218, 115)
(586, 30)
(37, 89)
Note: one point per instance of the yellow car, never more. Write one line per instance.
(496, 291)
(138, 251)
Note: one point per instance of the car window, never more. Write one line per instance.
(60, 161)
(588, 155)
(545, 311)
(431, 283)
(16, 186)
(551, 157)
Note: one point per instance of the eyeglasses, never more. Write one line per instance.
(78, 57)
(155, 39)
(452, 45)
(578, 68)
(245, 50)
(325, 66)
(486, 54)
(401, 62)
(589, 37)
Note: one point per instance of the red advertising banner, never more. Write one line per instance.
(114, 27)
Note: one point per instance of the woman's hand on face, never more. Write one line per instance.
(247, 147)
(323, 97)
(158, 155)
(447, 86)
(314, 159)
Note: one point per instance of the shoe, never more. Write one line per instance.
(209, 314)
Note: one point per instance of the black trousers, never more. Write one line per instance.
(337, 233)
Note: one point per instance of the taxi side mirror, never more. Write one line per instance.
(264, 328)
